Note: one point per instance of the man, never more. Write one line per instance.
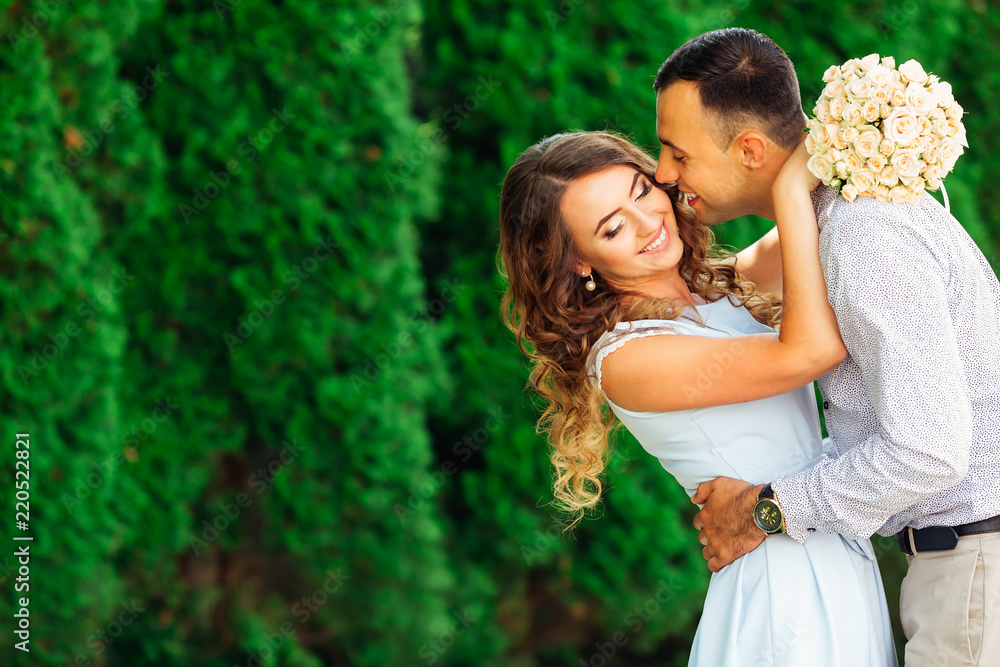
(914, 411)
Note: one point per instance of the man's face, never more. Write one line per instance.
(690, 156)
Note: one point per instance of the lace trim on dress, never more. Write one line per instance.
(605, 347)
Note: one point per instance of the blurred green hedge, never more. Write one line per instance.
(250, 322)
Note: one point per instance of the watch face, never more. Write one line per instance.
(767, 515)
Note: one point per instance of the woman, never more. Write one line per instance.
(612, 286)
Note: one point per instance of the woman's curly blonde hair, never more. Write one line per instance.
(557, 321)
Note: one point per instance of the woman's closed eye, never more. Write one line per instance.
(647, 187)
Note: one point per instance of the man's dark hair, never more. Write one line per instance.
(745, 80)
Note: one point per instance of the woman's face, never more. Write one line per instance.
(624, 228)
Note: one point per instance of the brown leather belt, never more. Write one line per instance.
(942, 538)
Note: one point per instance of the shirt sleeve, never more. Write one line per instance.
(889, 291)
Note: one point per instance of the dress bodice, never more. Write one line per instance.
(755, 441)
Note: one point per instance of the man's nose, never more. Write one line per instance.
(665, 172)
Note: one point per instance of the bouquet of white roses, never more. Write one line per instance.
(884, 132)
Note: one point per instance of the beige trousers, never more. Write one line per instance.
(950, 605)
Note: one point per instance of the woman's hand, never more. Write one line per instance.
(795, 175)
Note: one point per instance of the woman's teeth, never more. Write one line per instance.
(656, 244)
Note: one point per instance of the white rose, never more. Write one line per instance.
(915, 184)
(912, 71)
(839, 142)
(889, 62)
(837, 107)
(853, 114)
(836, 155)
(850, 75)
(850, 134)
(898, 97)
(869, 61)
(859, 88)
(930, 156)
(854, 162)
(887, 147)
(955, 111)
(888, 177)
(870, 111)
(879, 76)
(810, 144)
(879, 94)
(949, 153)
(900, 195)
(961, 137)
(877, 162)
(882, 192)
(863, 179)
(833, 89)
(906, 163)
(850, 192)
(841, 167)
(832, 72)
(920, 98)
(823, 111)
(822, 135)
(884, 111)
(821, 167)
(925, 125)
(934, 184)
(943, 90)
(901, 126)
(867, 142)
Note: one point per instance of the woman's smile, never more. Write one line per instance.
(660, 243)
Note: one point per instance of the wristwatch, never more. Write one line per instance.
(767, 512)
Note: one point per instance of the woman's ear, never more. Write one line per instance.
(582, 269)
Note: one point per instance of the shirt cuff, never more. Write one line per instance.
(794, 504)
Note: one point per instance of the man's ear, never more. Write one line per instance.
(752, 149)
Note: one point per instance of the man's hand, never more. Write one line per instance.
(726, 521)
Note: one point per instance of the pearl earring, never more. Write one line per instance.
(590, 285)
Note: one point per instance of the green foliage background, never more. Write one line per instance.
(249, 318)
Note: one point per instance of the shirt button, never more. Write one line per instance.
(826, 405)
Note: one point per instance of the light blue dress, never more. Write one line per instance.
(817, 604)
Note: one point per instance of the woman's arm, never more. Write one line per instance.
(660, 373)
(761, 262)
